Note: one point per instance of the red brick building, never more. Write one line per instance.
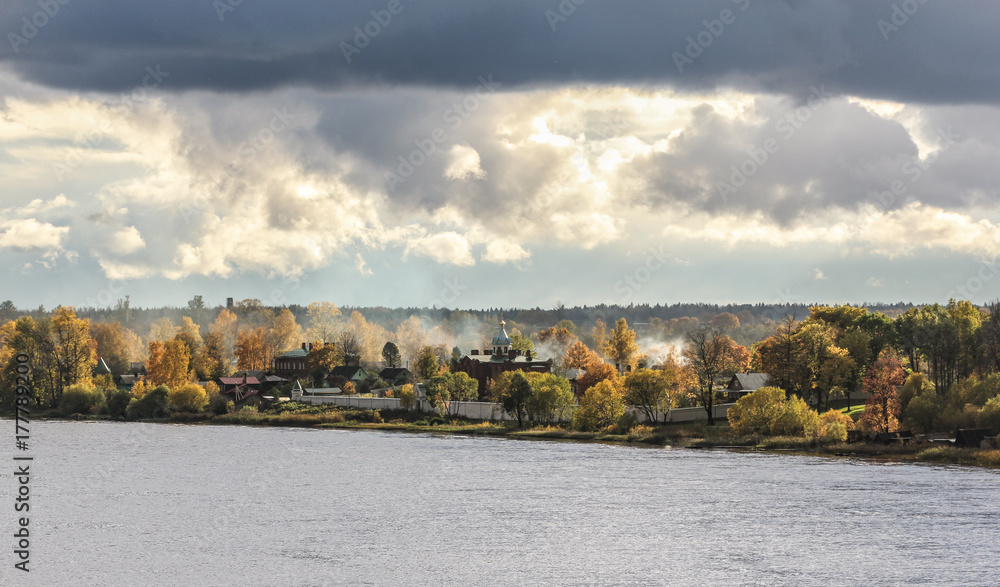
(497, 359)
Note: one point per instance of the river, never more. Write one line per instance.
(124, 504)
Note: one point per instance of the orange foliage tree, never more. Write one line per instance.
(881, 384)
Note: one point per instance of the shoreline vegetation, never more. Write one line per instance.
(931, 373)
(691, 435)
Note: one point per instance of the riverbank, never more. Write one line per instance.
(696, 435)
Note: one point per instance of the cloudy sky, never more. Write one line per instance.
(503, 153)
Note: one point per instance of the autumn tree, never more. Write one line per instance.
(824, 367)
(369, 337)
(253, 352)
(599, 334)
(285, 333)
(777, 356)
(756, 413)
(190, 335)
(725, 322)
(577, 356)
(595, 371)
(252, 313)
(881, 384)
(188, 397)
(411, 338)
(168, 363)
(111, 345)
(601, 406)
(227, 327)
(28, 336)
(211, 359)
(557, 340)
(620, 346)
(390, 355)
(71, 350)
(325, 321)
(163, 329)
(407, 397)
(322, 358)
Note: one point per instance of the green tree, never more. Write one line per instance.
(390, 355)
(515, 399)
(551, 398)
(118, 403)
(461, 388)
(8, 312)
(652, 392)
(196, 309)
(154, 404)
(438, 392)
(81, 399)
(427, 363)
(521, 343)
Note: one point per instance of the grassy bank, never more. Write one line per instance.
(692, 435)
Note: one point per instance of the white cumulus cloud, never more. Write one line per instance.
(444, 247)
(29, 233)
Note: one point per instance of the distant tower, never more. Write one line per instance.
(501, 342)
(229, 303)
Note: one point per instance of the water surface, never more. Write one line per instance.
(124, 504)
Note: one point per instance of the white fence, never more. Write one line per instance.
(486, 410)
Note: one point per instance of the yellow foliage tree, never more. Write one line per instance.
(833, 425)
(168, 363)
(188, 397)
(407, 397)
(602, 405)
(756, 412)
(621, 347)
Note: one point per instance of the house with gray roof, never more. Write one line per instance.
(745, 383)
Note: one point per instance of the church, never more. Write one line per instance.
(500, 357)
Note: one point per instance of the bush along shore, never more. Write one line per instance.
(694, 435)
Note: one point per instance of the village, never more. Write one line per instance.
(841, 374)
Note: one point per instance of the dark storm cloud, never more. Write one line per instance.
(906, 50)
